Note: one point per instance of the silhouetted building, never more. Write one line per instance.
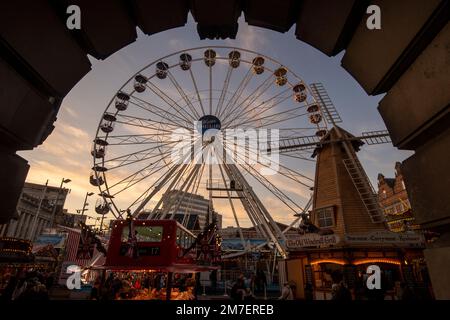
(25, 224)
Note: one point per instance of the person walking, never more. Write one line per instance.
(238, 290)
(286, 292)
(10, 288)
(249, 296)
(341, 292)
(213, 279)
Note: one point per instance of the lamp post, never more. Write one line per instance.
(88, 194)
(35, 219)
(101, 223)
(57, 199)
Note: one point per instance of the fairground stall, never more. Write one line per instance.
(84, 248)
(15, 256)
(319, 261)
(155, 259)
(345, 232)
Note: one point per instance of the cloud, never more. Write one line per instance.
(249, 37)
(67, 141)
(70, 112)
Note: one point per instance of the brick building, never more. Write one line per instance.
(394, 202)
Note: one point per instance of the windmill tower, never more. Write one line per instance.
(344, 201)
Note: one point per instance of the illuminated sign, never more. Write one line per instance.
(386, 237)
(312, 240)
(142, 251)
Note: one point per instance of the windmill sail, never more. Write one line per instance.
(376, 137)
(311, 142)
(329, 110)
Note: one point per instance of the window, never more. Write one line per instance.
(325, 217)
(144, 233)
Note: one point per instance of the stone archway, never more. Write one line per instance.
(41, 60)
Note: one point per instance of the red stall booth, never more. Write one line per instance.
(155, 250)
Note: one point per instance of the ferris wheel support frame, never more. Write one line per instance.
(261, 213)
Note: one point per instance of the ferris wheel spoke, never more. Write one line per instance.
(162, 113)
(257, 219)
(230, 201)
(145, 197)
(138, 158)
(224, 91)
(170, 102)
(133, 178)
(272, 189)
(137, 153)
(260, 108)
(282, 169)
(184, 189)
(197, 91)
(263, 87)
(183, 94)
(270, 186)
(146, 123)
(195, 187)
(134, 139)
(210, 89)
(278, 117)
(176, 177)
(237, 93)
(254, 217)
(135, 156)
(255, 205)
(176, 180)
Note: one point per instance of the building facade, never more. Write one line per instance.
(187, 208)
(393, 200)
(30, 218)
(72, 220)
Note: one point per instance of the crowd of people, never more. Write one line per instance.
(128, 285)
(244, 287)
(35, 285)
(26, 285)
(340, 289)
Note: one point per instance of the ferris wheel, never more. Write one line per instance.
(208, 122)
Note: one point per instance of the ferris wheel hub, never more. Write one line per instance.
(208, 122)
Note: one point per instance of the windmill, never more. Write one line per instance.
(337, 165)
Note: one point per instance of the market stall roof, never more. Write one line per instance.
(180, 268)
(15, 250)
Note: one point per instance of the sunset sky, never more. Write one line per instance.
(66, 153)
